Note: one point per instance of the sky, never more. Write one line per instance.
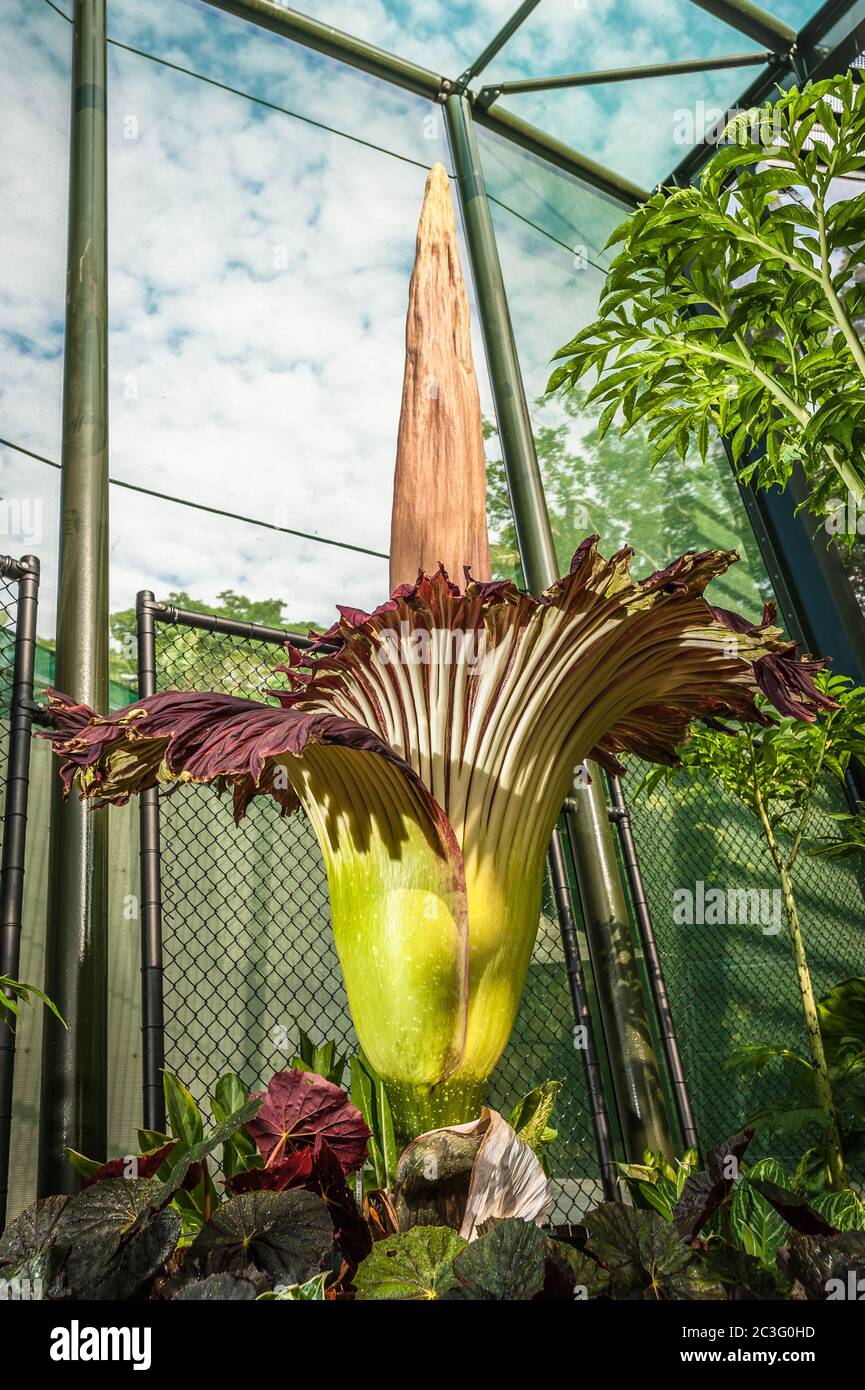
(259, 266)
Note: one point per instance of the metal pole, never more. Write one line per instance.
(592, 79)
(506, 32)
(657, 983)
(74, 1089)
(632, 1060)
(233, 627)
(152, 1012)
(750, 19)
(323, 38)
(582, 1016)
(546, 147)
(15, 834)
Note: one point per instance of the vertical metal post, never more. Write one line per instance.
(633, 1063)
(657, 983)
(583, 1018)
(14, 835)
(74, 1088)
(152, 1014)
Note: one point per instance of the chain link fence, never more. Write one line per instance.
(19, 588)
(733, 983)
(249, 959)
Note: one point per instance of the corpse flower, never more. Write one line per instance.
(432, 743)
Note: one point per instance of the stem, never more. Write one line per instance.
(822, 1087)
(748, 363)
(839, 313)
(852, 483)
(806, 805)
(418, 1108)
(796, 410)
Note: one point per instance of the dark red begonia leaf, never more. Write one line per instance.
(146, 1165)
(707, 1190)
(298, 1107)
(293, 1170)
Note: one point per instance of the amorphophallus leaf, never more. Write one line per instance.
(432, 743)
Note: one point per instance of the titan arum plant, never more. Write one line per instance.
(433, 741)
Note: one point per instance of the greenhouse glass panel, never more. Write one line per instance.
(566, 212)
(640, 129)
(34, 154)
(842, 26)
(257, 331)
(196, 37)
(796, 13)
(605, 486)
(445, 36)
(567, 36)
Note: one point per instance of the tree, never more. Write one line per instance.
(775, 773)
(189, 657)
(734, 304)
(600, 483)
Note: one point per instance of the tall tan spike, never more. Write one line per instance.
(439, 490)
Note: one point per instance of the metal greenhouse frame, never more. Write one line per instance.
(73, 1107)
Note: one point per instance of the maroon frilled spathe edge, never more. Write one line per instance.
(232, 741)
(202, 736)
(787, 680)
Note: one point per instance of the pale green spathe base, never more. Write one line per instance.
(417, 1109)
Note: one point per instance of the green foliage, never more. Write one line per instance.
(645, 1255)
(505, 1264)
(849, 843)
(775, 773)
(530, 1119)
(238, 1152)
(369, 1095)
(844, 1210)
(796, 1110)
(842, 1019)
(182, 1162)
(757, 1227)
(117, 1235)
(13, 993)
(414, 1265)
(323, 1060)
(732, 305)
(185, 1121)
(777, 768)
(286, 1235)
(657, 1183)
(721, 1233)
